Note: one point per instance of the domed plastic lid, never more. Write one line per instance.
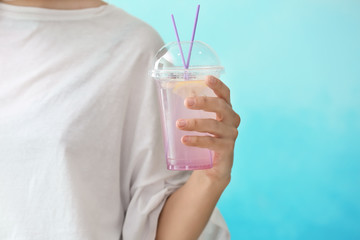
(169, 63)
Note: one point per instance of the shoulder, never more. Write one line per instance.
(131, 29)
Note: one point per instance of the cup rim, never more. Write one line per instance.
(193, 73)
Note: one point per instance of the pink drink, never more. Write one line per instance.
(173, 94)
(176, 83)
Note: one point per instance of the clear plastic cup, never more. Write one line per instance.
(175, 84)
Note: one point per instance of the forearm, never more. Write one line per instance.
(187, 211)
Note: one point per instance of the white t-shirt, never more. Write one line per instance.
(81, 153)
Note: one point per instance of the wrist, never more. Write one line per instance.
(210, 180)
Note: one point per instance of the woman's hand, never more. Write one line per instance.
(223, 129)
(187, 211)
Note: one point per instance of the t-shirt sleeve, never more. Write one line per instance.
(145, 179)
(150, 183)
(216, 228)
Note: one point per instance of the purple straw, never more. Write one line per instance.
(193, 37)
(178, 39)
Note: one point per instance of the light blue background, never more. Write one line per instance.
(294, 70)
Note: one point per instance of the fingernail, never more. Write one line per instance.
(181, 123)
(190, 101)
(186, 139)
(212, 80)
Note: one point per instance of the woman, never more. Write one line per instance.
(80, 149)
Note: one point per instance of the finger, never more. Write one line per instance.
(216, 128)
(219, 88)
(223, 110)
(216, 144)
(237, 120)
